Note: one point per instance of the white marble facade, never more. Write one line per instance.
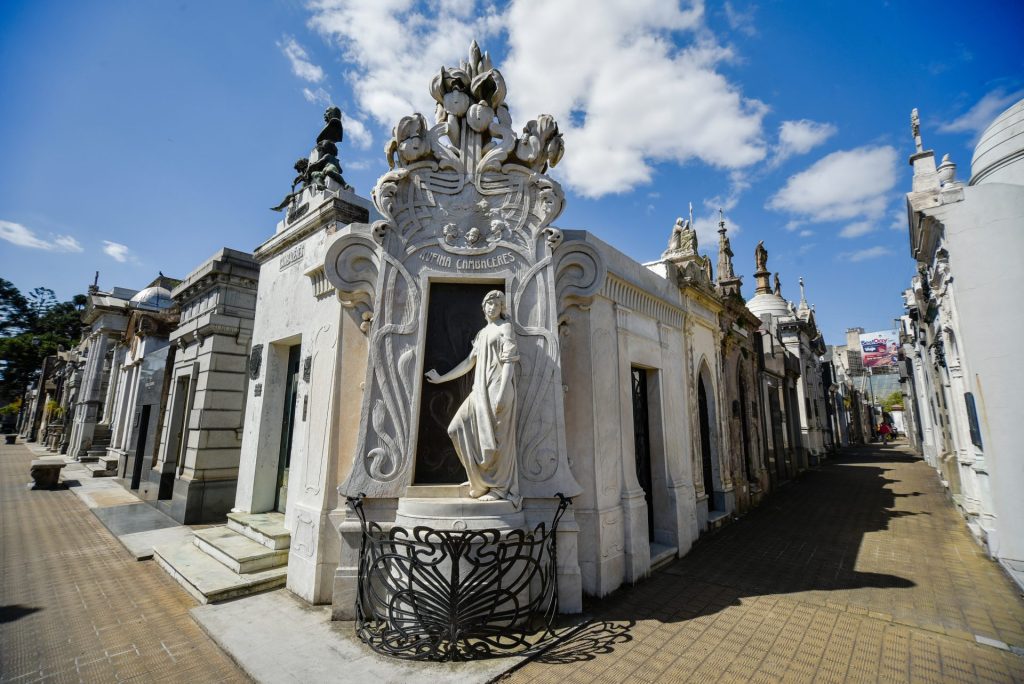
(966, 238)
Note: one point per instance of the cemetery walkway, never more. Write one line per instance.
(860, 571)
(76, 606)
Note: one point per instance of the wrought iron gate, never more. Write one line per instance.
(428, 594)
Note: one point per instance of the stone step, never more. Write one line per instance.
(717, 520)
(110, 461)
(208, 580)
(662, 555)
(437, 491)
(264, 528)
(100, 470)
(238, 552)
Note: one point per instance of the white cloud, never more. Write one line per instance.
(19, 235)
(899, 219)
(707, 231)
(395, 50)
(976, 119)
(740, 21)
(865, 254)
(800, 137)
(843, 185)
(624, 95)
(116, 251)
(357, 132)
(806, 233)
(318, 96)
(637, 98)
(66, 243)
(857, 229)
(297, 57)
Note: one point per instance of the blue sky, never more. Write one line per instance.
(138, 137)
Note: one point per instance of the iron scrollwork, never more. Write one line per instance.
(429, 594)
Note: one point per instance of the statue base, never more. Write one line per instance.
(449, 507)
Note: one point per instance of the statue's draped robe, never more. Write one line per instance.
(484, 440)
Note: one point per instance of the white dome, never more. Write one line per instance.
(768, 303)
(1000, 149)
(154, 298)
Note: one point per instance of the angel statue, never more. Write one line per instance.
(484, 428)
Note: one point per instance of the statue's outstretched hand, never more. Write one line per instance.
(433, 377)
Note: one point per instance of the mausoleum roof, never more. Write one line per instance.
(1000, 150)
(771, 303)
(154, 298)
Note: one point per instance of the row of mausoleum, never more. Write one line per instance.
(962, 378)
(444, 331)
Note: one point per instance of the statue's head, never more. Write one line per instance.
(332, 113)
(498, 298)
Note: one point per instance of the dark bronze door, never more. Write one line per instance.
(642, 442)
(454, 316)
(705, 443)
(287, 426)
(140, 447)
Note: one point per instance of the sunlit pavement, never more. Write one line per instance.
(76, 606)
(861, 570)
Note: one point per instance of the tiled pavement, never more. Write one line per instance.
(76, 606)
(860, 571)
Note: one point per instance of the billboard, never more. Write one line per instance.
(879, 349)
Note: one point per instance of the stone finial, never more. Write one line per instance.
(915, 129)
(947, 171)
(725, 270)
(803, 309)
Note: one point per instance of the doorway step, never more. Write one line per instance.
(98, 447)
(662, 555)
(105, 465)
(247, 556)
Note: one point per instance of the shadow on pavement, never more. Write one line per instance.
(587, 642)
(805, 537)
(15, 612)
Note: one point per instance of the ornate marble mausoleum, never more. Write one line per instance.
(449, 357)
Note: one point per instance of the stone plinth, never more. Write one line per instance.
(45, 473)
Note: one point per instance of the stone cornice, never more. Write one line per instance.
(334, 211)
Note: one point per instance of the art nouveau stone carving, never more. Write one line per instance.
(466, 200)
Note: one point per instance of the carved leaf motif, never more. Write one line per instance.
(382, 462)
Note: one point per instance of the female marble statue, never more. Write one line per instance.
(484, 428)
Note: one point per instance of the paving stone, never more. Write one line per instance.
(859, 571)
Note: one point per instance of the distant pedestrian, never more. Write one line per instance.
(884, 431)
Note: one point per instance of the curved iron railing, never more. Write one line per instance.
(427, 594)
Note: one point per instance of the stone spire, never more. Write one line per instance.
(803, 310)
(728, 283)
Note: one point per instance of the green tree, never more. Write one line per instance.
(893, 399)
(31, 328)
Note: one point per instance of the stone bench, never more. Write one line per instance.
(46, 473)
